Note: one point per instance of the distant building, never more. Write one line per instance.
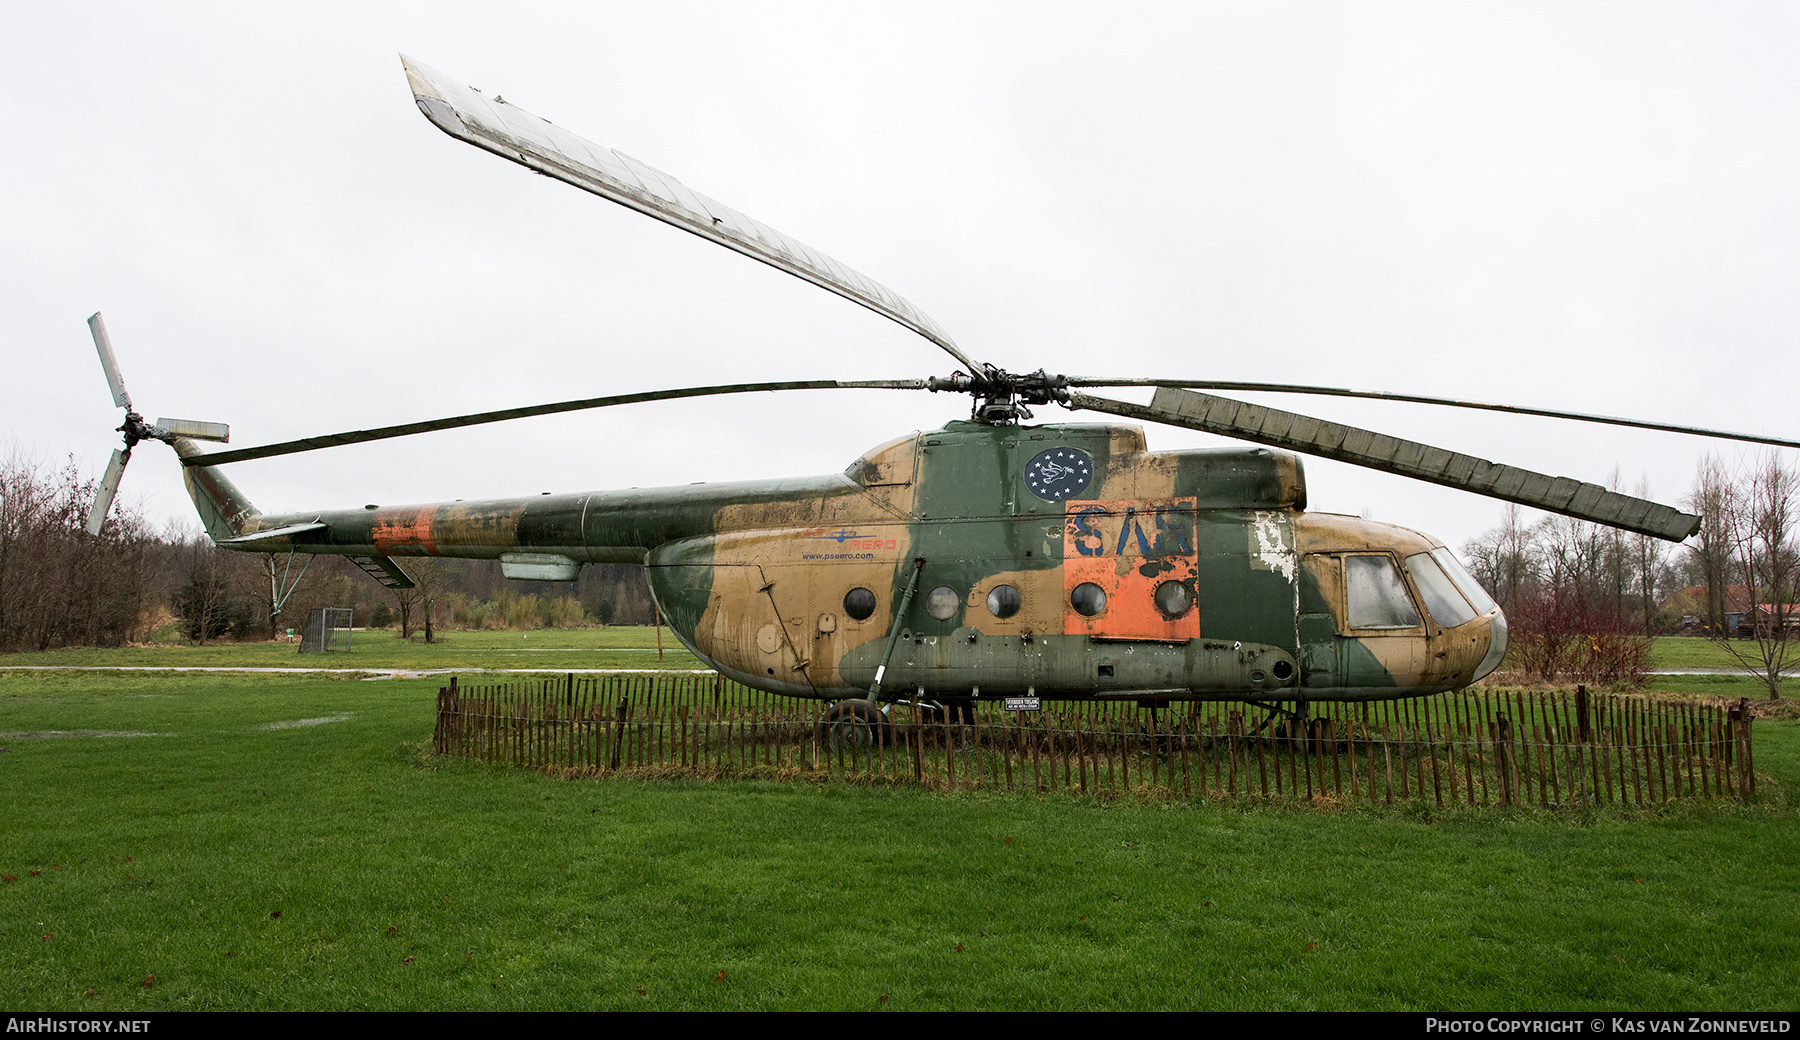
(1789, 613)
(1741, 616)
(1692, 605)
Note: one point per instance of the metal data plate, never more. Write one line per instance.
(539, 567)
(513, 133)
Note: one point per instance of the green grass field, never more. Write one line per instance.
(546, 649)
(199, 805)
(549, 649)
(1695, 652)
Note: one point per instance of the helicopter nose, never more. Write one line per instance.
(1496, 646)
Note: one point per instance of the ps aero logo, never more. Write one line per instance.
(1059, 473)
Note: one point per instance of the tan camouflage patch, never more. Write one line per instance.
(1040, 607)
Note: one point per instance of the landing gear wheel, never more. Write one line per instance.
(854, 724)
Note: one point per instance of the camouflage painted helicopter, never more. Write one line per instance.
(987, 558)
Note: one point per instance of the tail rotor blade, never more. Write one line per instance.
(193, 429)
(109, 486)
(104, 344)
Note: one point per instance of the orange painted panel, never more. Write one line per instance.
(404, 533)
(1128, 548)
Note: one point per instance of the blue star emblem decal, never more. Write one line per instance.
(1059, 473)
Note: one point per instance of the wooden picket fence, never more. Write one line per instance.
(1474, 747)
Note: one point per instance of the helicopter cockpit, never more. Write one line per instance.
(1383, 606)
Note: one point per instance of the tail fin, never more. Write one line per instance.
(223, 509)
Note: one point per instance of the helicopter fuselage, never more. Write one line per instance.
(1058, 561)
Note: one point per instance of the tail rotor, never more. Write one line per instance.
(134, 428)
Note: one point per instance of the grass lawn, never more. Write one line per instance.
(551, 650)
(1696, 652)
(1730, 688)
(403, 882)
(547, 649)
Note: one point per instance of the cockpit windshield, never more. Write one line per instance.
(1470, 587)
(1447, 606)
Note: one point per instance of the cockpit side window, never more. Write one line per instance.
(1375, 596)
(1447, 606)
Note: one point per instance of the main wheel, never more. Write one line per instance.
(855, 724)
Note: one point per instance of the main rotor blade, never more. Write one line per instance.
(1382, 395)
(1565, 495)
(332, 440)
(109, 486)
(103, 343)
(513, 133)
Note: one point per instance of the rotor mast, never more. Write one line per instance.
(1001, 398)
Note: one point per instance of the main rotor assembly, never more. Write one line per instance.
(998, 397)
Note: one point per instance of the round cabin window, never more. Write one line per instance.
(1088, 599)
(1003, 601)
(1174, 598)
(942, 603)
(859, 604)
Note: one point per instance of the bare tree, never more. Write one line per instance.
(1760, 514)
(1501, 559)
(204, 601)
(406, 601)
(1572, 555)
(1710, 548)
(1647, 560)
(430, 575)
(59, 585)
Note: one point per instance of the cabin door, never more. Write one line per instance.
(781, 648)
(1321, 605)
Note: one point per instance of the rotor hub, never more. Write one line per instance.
(1002, 397)
(136, 429)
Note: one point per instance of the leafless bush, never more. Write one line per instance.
(1559, 631)
(1579, 598)
(60, 586)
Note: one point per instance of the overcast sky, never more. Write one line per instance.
(1591, 207)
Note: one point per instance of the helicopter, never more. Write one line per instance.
(989, 558)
